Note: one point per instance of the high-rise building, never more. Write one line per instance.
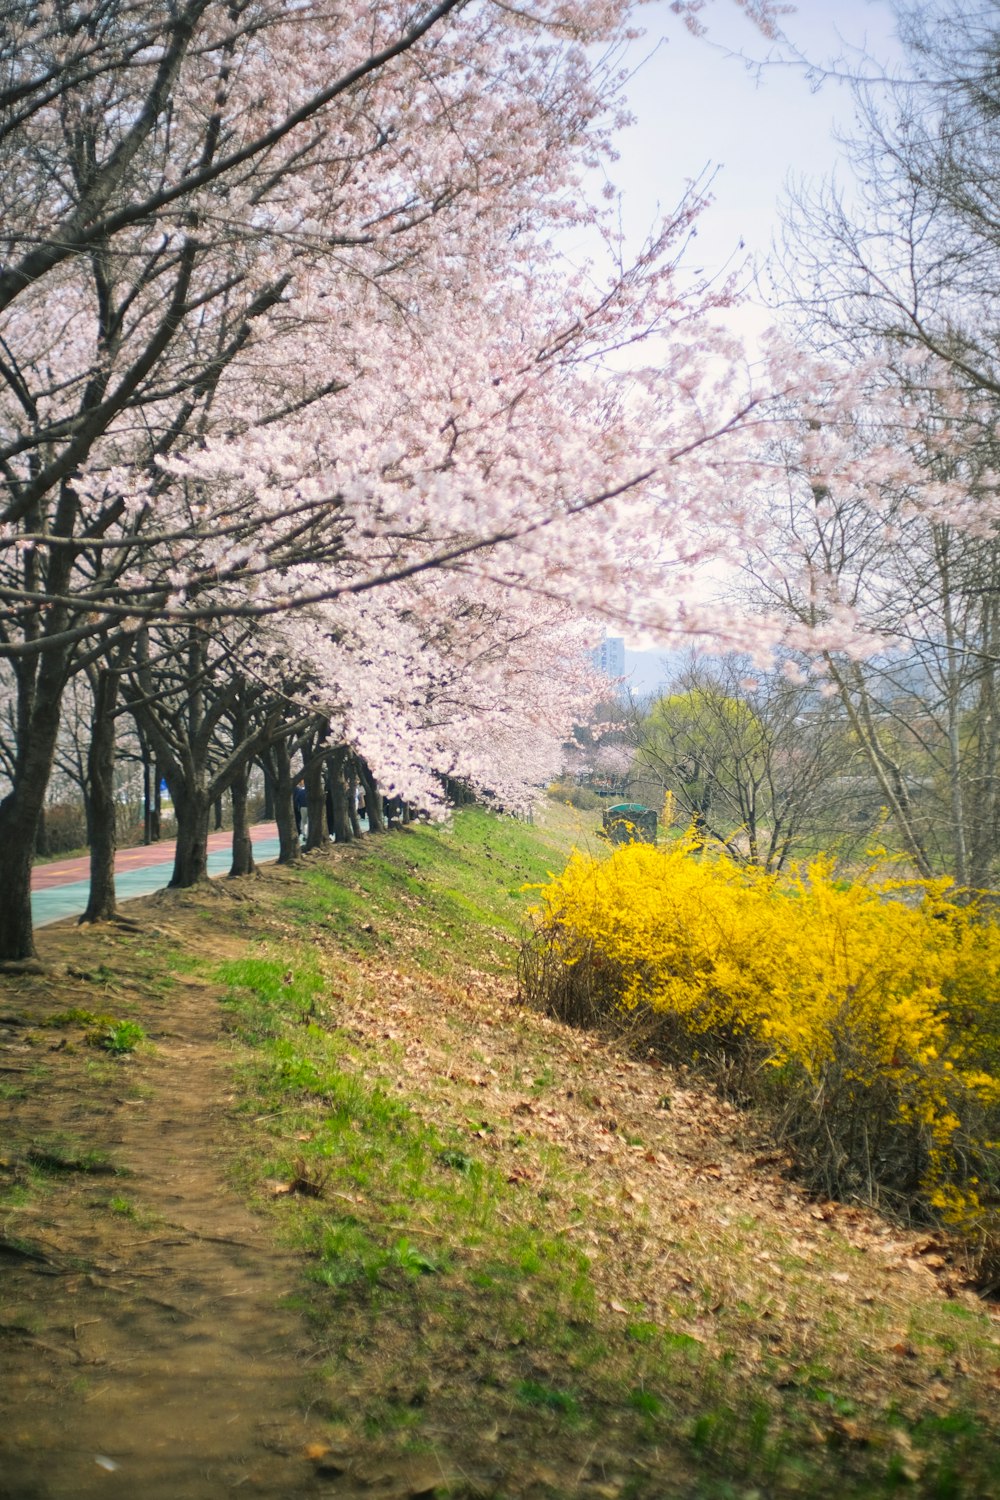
(609, 656)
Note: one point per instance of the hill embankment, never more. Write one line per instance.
(296, 1200)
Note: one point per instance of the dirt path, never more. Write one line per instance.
(149, 1354)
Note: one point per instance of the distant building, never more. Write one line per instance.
(609, 656)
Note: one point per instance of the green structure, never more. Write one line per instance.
(630, 823)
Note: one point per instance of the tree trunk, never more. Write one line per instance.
(21, 810)
(156, 822)
(289, 844)
(985, 823)
(352, 802)
(277, 762)
(269, 813)
(218, 814)
(373, 799)
(16, 854)
(316, 806)
(102, 903)
(343, 833)
(243, 861)
(193, 810)
(147, 799)
(888, 772)
(956, 705)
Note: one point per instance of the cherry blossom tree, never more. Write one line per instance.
(281, 321)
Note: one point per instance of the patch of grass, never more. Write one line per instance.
(14, 1195)
(103, 1031)
(76, 1016)
(60, 1155)
(122, 1206)
(413, 1222)
(534, 1393)
(118, 1038)
(447, 897)
(645, 1402)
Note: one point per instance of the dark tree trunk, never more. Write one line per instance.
(21, 809)
(218, 814)
(342, 830)
(269, 813)
(193, 809)
(289, 845)
(147, 799)
(156, 825)
(243, 861)
(277, 763)
(102, 903)
(40, 683)
(16, 855)
(373, 799)
(316, 805)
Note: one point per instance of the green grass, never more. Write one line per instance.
(60, 1154)
(366, 1144)
(450, 898)
(103, 1031)
(120, 1037)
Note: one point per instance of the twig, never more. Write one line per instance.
(110, 1286)
(156, 1239)
(216, 1239)
(32, 1338)
(23, 1252)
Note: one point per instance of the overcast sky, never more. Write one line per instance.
(700, 104)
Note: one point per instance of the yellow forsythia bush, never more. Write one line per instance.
(864, 1016)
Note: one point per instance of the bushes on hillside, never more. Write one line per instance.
(584, 798)
(62, 829)
(863, 1016)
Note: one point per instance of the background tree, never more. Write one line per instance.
(754, 761)
(919, 689)
(883, 521)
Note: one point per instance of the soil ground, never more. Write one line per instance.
(147, 1353)
(150, 1340)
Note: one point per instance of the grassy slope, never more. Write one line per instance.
(543, 1269)
(534, 1267)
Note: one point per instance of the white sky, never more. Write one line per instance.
(699, 104)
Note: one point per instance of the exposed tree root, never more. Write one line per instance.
(115, 919)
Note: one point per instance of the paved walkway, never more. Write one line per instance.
(60, 889)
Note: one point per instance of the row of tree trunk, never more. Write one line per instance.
(204, 719)
(332, 777)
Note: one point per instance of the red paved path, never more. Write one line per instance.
(66, 871)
